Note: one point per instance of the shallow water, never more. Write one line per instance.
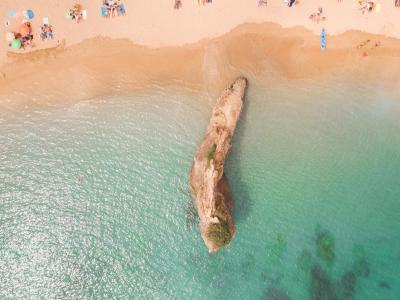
(94, 201)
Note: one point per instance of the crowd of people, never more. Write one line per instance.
(21, 38)
(369, 5)
(76, 13)
(112, 8)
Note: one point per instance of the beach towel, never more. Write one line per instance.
(11, 13)
(104, 11)
(323, 40)
(84, 14)
(45, 21)
(122, 9)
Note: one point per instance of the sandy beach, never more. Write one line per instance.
(199, 46)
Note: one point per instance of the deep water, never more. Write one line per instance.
(95, 204)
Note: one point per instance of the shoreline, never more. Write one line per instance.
(103, 66)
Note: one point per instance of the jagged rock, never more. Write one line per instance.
(207, 178)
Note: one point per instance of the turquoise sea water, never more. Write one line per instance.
(94, 200)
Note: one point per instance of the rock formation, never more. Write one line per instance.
(207, 178)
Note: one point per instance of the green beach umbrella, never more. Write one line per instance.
(16, 44)
(68, 16)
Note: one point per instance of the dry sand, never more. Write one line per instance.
(200, 46)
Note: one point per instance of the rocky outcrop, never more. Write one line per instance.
(207, 178)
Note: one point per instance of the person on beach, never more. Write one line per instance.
(203, 2)
(317, 16)
(47, 32)
(262, 3)
(76, 13)
(397, 3)
(177, 4)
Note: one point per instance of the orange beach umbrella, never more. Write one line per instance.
(24, 30)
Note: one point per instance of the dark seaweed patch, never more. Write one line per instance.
(360, 265)
(275, 294)
(325, 244)
(192, 217)
(304, 261)
(384, 285)
(278, 247)
(321, 285)
(348, 283)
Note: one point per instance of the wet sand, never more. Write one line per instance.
(103, 66)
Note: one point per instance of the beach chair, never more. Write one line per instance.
(122, 9)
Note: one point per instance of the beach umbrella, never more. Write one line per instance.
(24, 30)
(10, 36)
(29, 14)
(78, 6)
(16, 44)
(68, 16)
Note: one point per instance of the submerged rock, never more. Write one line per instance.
(207, 178)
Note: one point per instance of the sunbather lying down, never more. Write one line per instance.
(262, 2)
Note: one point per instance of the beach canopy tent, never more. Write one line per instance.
(16, 44)
(29, 14)
(10, 36)
(24, 30)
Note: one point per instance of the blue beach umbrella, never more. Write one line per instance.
(29, 14)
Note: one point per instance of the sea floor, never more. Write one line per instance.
(95, 203)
